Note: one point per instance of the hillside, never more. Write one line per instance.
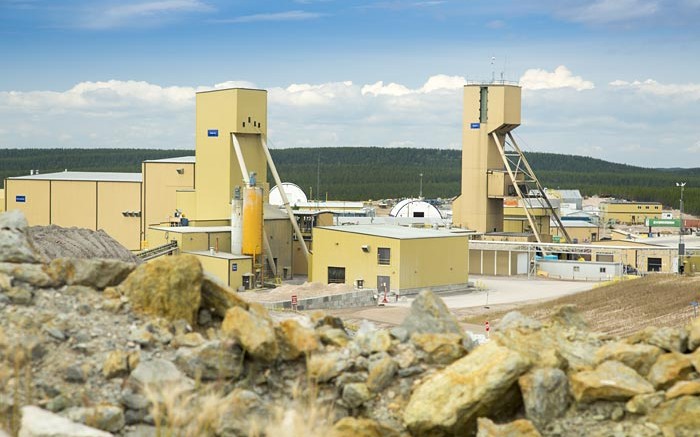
(354, 173)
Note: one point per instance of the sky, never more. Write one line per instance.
(612, 79)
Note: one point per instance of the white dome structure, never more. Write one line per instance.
(415, 208)
(295, 195)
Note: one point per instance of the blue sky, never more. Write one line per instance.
(614, 79)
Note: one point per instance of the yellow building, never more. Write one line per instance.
(488, 109)
(390, 257)
(91, 200)
(580, 231)
(618, 211)
(515, 219)
(2, 199)
(162, 180)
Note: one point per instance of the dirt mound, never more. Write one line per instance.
(57, 242)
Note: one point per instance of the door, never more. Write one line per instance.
(523, 263)
(383, 285)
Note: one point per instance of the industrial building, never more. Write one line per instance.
(390, 258)
(631, 213)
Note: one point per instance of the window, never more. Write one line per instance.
(653, 264)
(336, 275)
(602, 269)
(647, 207)
(383, 256)
(483, 105)
(577, 268)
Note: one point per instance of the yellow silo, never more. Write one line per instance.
(252, 220)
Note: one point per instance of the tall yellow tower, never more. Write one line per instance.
(220, 115)
(488, 109)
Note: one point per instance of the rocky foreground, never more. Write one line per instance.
(97, 347)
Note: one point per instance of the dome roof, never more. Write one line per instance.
(415, 208)
(295, 195)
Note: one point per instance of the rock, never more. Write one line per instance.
(32, 274)
(669, 339)
(517, 428)
(326, 366)
(568, 316)
(516, 320)
(399, 333)
(134, 401)
(679, 417)
(334, 336)
(217, 297)
(19, 296)
(695, 359)
(295, 340)
(253, 329)
(356, 394)
(5, 282)
(77, 373)
(90, 272)
(169, 286)
(381, 372)
(41, 423)
(204, 317)
(157, 373)
(545, 394)
(449, 401)
(119, 363)
(59, 403)
(191, 339)
(683, 388)
(611, 380)
(694, 334)
(442, 348)
(643, 404)
(105, 417)
(430, 314)
(15, 246)
(640, 356)
(373, 340)
(55, 333)
(668, 369)
(142, 431)
(243, 411)
(210, 361)
(405, 355)
(360, 427)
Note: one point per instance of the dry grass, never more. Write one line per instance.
(621, 308)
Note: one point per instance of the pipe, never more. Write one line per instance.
(293, 219)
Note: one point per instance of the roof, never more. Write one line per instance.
(179, 159)
(570, 194)
(330, 204)
(628, 202)
(192, 229)
(84, 176)
(396, 232)
(272, 212)
(576, 224)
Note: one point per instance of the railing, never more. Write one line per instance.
(165, 249)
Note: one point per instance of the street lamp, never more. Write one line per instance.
(681, 245)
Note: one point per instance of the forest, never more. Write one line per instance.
(361, 173)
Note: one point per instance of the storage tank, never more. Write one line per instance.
(237, 222)
(252, 220)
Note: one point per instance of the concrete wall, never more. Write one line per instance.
(357, 298)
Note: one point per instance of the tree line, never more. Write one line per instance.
(361, 173)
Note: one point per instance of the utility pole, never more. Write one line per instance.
(681, 244)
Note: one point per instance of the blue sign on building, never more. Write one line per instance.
(234, 267)
(475, 125)
(20, 199)
(213, 132)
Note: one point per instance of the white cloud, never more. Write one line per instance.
(695, 148)
(688, 91)
(437, 83)
(561, 77)
(275, 16)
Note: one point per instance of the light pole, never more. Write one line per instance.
(681, 245)
(420, 193)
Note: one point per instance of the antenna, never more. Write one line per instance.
(493, 71)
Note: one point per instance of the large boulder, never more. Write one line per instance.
(15, 246)
(430, 314)
(545, 393)
(217, 297)
(440, 348)
(694, 334)
(254, 330)
(678, 417)
(449, 401)
(639, 356)
(295, 340)
(168, 286)
(41, 423)
(91, 272)
(360, 427)
(684, 388)
(669, 368)
(210, 361)
(157, 374)
(667, 338)
(34, 274)
(611, 380)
